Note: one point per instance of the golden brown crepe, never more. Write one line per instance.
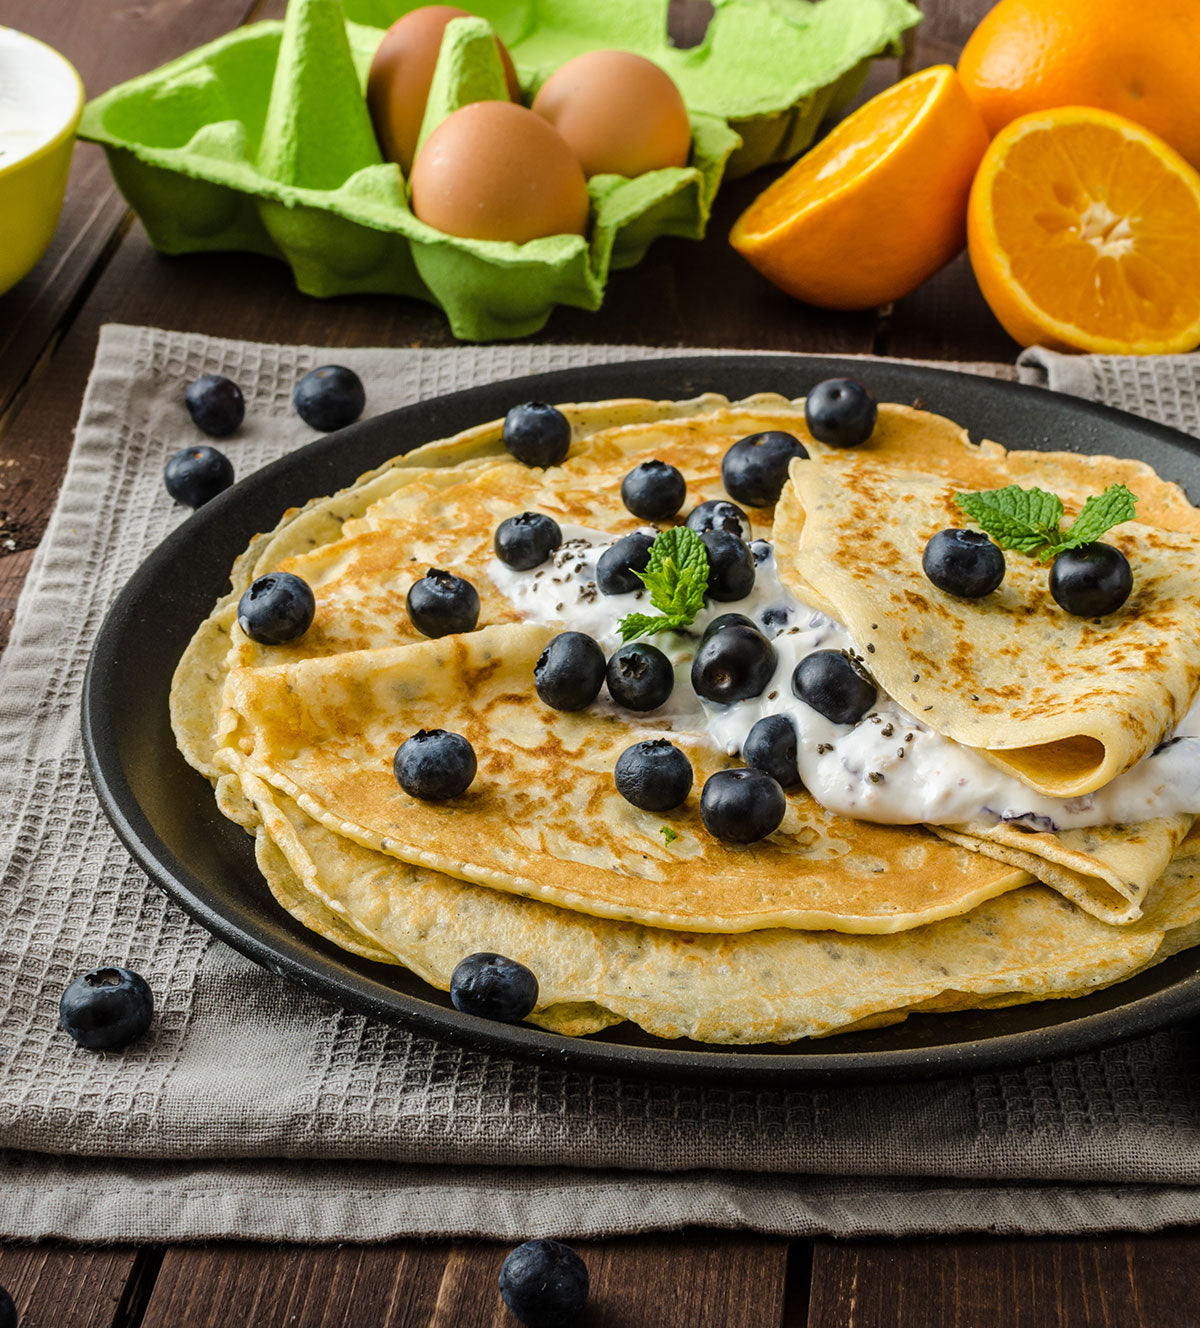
(299, 739)
(1064, 703)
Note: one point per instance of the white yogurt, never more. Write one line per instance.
(39, 92)
(889, 767)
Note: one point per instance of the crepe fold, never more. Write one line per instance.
(543, 817)
(765, 986)
(1063, 703)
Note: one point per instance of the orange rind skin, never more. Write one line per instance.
(1141, 61)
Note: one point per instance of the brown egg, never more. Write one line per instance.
(620, 114)
(401, 72)
(495, 171)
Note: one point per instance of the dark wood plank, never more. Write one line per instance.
(1107, 1282)
(694, 1280)
(946, 318)
(107, 41)
(67, 1286)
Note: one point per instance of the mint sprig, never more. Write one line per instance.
(676, 577)
(1029, 520)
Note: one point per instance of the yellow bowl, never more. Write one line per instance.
(41, 100)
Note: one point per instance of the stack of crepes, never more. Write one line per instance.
(829, 924)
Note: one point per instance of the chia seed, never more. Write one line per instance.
(876, 777)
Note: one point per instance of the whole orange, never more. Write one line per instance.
(1141, 60)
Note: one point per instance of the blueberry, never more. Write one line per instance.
(544, 1283)
(718, 514)
(329, 397)
(963, 562)
(617, 565)
(840, 412)
(720, 623)
(776, 618)
(741, 806)
(761, 549)
(527, 540)
(653, 775)
(215, 404)
(730, 566)
(434, 764)
(8, 1311)
(654, 491)
(640, 676)
(441, 604)
(107, 1008)
(196, 474)
(754, 469)
(1091, 581)
(276, 608)
(733, 665)
(493, 987)
(569, 672)
(830, 682)
(770, 746)
(537, 434)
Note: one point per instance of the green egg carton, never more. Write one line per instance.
(261, 141)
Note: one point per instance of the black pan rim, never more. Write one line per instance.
(304, 958)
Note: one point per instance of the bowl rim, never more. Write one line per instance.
(67, 128)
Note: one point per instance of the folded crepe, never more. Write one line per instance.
(543, 817)
(764, 986)
(1064, 703)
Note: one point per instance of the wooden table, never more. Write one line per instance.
(100, 269)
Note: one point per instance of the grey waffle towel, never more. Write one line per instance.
(255, 1109)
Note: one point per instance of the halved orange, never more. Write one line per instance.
(878, 205)
(1084, 233)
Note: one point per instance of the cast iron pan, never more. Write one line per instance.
(166, 816)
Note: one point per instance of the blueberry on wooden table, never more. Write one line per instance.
(830, 682)
(570, 671)
(741, 806)
(434, 764)
(8, 1311)
(840, 412)
(215, 404)
(640, 676)
(730, 566)
(526, 541)
(718, 514)
(653, 775)
(106, 1008)
(733, 665)
(193, 475)
(1091, 581)
(615, 571)
(755, 468)
(441, 604)
(329, 397)
(277, 608)
(493, 986)
(544, 1283)
(654, 491)
(964, 563)
(537, 434)
(770, 746)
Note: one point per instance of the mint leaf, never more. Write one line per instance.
(1016, 518)
(1100, 513)
(676, 577)
(645, 624)
(669, 835)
